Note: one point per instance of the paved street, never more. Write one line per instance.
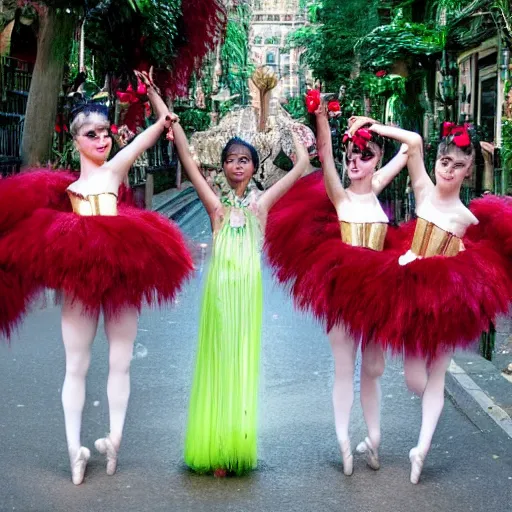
(469, 469)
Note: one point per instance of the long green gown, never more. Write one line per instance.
(223, 405)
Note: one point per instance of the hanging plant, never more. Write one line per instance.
(375, 85)
(398, 41)
(234, 53)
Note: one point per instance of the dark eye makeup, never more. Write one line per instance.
(91, 134)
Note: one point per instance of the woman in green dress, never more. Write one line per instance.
(221, 433)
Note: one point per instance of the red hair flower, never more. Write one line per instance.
(333, 106)
(381, 74)
(459, 135)
(312, 100)
(360, 138)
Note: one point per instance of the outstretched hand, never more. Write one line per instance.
(147, 79)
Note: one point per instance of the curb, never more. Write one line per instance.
(481, 392)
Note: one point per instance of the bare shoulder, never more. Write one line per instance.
(468, 215)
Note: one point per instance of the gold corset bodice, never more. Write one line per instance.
(430, 240)
(364, 234)
(93, 204)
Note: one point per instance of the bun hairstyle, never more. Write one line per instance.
(85, 112)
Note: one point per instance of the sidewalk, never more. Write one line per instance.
(480, 388)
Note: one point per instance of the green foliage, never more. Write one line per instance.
(226, 107)
(194, 120)
(329, 46)
(506, 148)
(399, 41)
(389, 84)
(504, 14)
(68, 158)
(296, 107)
(234, 53)
(115, 30)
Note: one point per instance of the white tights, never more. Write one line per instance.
(344, 350)
(78, 332)
(426, 379)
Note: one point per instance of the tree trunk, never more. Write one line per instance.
(56, 30)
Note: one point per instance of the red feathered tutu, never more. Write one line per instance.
(107, 262)
(430, 305)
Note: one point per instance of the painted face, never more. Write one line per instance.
(94, 142)
(362, 163)
(452, 168)
(238, 166)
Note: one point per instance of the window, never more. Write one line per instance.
(271, 58)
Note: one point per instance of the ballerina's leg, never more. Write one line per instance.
(431, 407)
(121, 331)
(78, 331)
(344, 351)
(372, 368)
(416, 374)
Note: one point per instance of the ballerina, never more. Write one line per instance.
(76, 237)
(316, 268)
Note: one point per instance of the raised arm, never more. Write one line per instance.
(384, 176)
(123, 160)
(414, 154)
(274, 193)
(208, 197)
(332, 181)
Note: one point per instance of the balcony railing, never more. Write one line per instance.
(15, 77)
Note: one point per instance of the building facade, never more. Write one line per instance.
(272, 21)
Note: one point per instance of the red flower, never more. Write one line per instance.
(333, 106)
(57, 128)
(360, 138)
(114, 129)
(382, 73)
(457, 134)
(128, 96)
(142, 90)
(312, 100)
(124, 97)
(447, 128)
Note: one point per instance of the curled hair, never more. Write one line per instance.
(236, 141)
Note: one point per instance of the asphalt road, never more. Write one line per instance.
(469, 468)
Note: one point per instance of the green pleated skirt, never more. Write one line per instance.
(222, 420)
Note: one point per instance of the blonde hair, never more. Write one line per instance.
(97, 119)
